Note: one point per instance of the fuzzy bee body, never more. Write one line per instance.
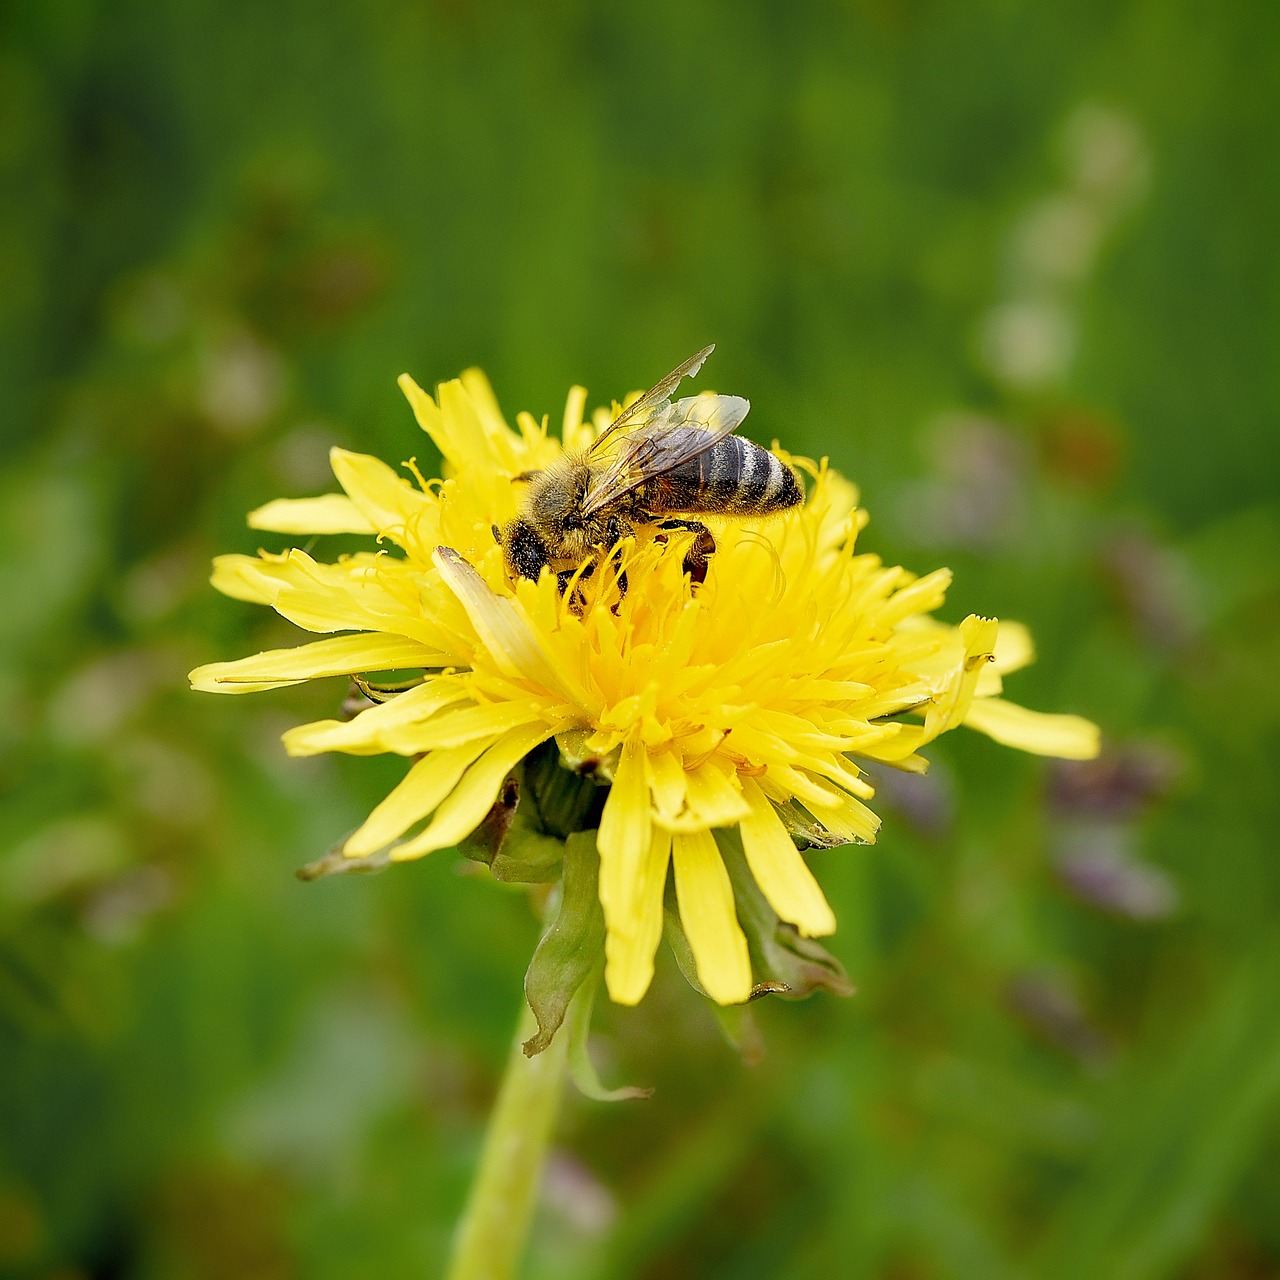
(657, 464)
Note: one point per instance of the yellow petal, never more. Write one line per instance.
(480, 392)
(575, 435)
(809, 791)
(473, 797)
(505, 446)
(261, 578)
(629, 952)
(1014, 648)
(377, 729)
(705, 897)
(624, 834)
(418, 794)
(989, 685)
(248, 578)
(779, 869)
(668, 783)
(851, 821)
(463, 446)
(464, 724)
(1068, 737)
(330, 609)
(389, 502)
(331, 513)
(361, 592)
(952, 705)
(467, 428)
(425, 410)
(712, 799)
(340, 656)
(924, 595)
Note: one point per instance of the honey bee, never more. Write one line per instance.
(656, 466)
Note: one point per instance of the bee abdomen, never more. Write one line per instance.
(734, 477)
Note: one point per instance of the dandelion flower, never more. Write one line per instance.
(750, 702)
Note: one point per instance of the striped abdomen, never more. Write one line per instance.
(733, 478)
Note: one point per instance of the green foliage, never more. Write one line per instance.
(1008, 265)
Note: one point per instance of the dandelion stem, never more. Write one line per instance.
(491, 1235)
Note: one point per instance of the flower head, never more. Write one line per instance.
(747, 702)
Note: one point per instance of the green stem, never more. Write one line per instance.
(491, 1235)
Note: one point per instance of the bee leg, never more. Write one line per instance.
(616, 529)
(525, 551)
(698, 555)
(525, 476)
(620, 581)
(565, 577)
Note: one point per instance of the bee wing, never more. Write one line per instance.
(675, 435)
(652, 399)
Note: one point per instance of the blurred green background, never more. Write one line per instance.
(1010, 265)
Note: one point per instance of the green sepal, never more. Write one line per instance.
(582, 1070)
(527, 856)
(784, 963)
(485, 842)
(510, 843)
(571, 948)
(736, 1022)
(673, 932)
(566, 800)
